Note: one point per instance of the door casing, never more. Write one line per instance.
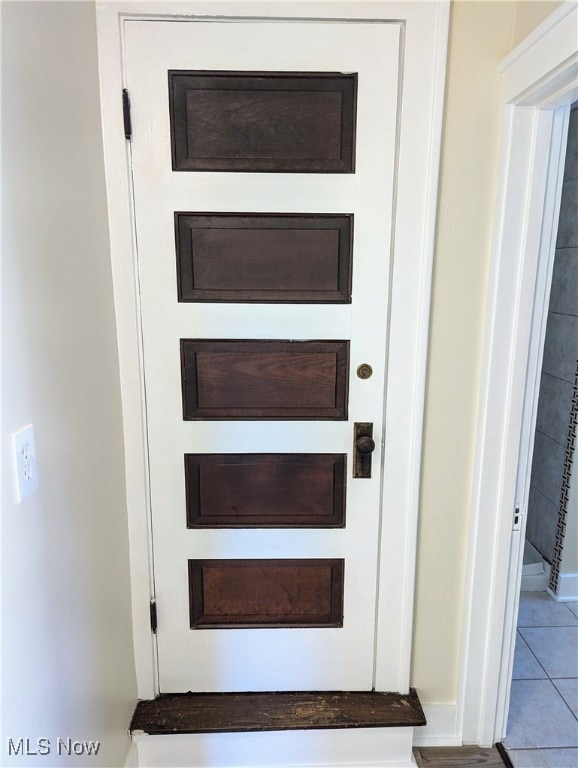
(425, 28)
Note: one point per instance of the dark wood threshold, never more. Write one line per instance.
(460, 757)
(227, 712)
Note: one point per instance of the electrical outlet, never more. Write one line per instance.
(26, 471)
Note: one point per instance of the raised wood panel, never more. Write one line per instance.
(266, 593)
(264, 379)
(264, 257)
(272, 122)
(279, 711)
(265, 490)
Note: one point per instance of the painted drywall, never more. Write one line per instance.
(529, 14)
(481, 34)
(68, 668)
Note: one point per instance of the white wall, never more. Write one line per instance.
(481, 34)
(68, 668)
(529, 15)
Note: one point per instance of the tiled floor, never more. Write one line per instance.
(543, 721)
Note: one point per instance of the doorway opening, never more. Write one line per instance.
(542, 727)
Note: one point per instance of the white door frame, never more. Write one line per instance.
(423, 64)
(540, 80)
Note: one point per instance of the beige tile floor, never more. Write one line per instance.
(543, 721)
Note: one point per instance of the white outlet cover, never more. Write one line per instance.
(25, 467)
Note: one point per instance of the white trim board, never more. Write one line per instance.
(132, 756)
(539, 76)
(341, 748)
(567, 588)
(441, 729)
(424, 62)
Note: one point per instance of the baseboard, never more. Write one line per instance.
(132, 757)
(567, 588)
(537, 582)
(341, 748)
(441, 728)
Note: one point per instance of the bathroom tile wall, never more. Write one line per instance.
(559, 364)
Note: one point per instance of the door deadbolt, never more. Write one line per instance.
(364, 371)
(363, 447)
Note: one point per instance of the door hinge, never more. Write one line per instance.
(126, 115)
(153, 609)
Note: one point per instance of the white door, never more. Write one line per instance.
(263, 158)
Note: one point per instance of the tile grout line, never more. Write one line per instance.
(561, 695)
(537, 659)
(551, 680)
(546, 672)
(548, 678)
(554, 376)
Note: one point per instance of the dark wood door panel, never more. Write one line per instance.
(264, 257)
(266, 593)
(264, 379)
(267, 121)
(265, 490)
